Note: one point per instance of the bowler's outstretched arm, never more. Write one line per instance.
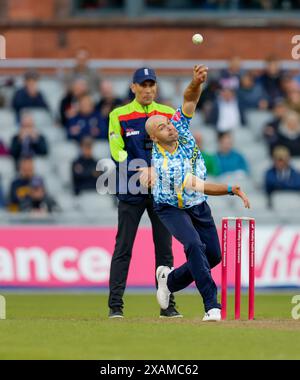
(194, 183)
(193, 91)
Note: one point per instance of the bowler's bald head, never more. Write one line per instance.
(161, 130)
(153, 122)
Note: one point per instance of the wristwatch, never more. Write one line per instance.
(230, 192)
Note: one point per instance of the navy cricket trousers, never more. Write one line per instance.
(195, 229)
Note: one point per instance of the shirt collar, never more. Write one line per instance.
(143, 109)
(164, 152)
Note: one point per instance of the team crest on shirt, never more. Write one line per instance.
(114, 135)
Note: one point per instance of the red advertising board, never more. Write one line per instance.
(62, 257)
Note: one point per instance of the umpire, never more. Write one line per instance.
(128, 141)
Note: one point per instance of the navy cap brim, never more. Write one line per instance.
(142, 80)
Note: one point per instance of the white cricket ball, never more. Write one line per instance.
(197, 39)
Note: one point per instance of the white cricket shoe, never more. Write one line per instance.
(163, 293)
(213, 315)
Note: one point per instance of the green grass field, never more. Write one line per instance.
(77, 327)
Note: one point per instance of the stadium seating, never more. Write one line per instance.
(120, 85)
(7, 118)
(7, 133)
(92, 208)
(42, 118)
(256, 121)
(286, 205)
(295, 162)
(45, 124)
(101, 149)
(53, 90)
(62, 156)
(286, 201)
(7, 172)
(209, 143)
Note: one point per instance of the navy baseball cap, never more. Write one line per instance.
(143, 74)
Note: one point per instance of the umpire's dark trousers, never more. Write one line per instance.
(195, 228)
(129, 216)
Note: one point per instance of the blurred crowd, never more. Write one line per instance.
(200, 4)
(224, 105)
(89, 98)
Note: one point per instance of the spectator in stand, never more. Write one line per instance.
(288, 84)
(83, 70)
(211, 160)
(281, 176)
(108, 101)
(20, 187)
(38, 202)
(29, 96)
(271, 128)
(230, 160)
(271, 80)
(6, 87)
(231, 76)
(87, 121)
(293, 98)
(84, 168)
(227, 113)
(130, 96)
(250, 94)
(297, 78)
(28, 142)
(208, 98)
(3, 149)
(69, 104)
(287, 134)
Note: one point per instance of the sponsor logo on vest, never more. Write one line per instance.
(132, 133)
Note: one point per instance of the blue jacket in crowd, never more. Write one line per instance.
(92, 125)
(288, 179)
(23, 100)
(231, 162)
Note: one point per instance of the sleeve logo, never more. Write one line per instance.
(176, 116)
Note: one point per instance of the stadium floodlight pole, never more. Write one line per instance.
(224, 268)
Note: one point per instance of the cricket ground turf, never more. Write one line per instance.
(69, 326)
